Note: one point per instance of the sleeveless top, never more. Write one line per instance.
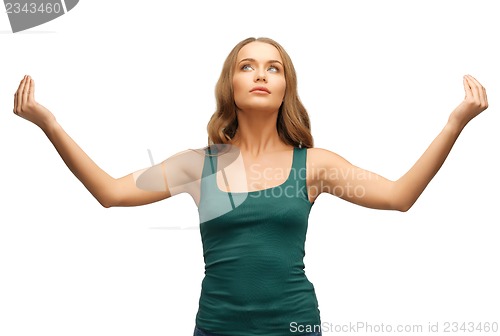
(253, 247)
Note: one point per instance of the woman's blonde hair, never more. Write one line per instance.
(293, 123)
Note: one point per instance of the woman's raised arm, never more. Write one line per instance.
(107, 190)
(339, 177)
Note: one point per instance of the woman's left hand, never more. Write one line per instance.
(474, 103)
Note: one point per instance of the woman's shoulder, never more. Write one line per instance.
(318, 152)
(321, 156)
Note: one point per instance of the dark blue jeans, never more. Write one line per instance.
(199, 332)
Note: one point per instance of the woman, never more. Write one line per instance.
(254, 188)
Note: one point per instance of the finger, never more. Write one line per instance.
(21, 82)
(15, 103)
(19, 95)
(473, 79)
(26, 90)
(482, 93)
(31, 95)
(480, 90)
(485, 97)
(468, 92)
(474, 88)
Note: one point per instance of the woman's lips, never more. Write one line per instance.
(261, 90)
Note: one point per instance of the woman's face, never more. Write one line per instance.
(259, 78)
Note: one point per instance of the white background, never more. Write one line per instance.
(379, 79)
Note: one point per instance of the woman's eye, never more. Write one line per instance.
(248, 67)
(272, 68)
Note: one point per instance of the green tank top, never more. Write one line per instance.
(254, 280)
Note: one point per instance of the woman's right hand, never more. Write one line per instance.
(107, 190)
(26, 107)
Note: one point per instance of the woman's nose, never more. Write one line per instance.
(260, 75)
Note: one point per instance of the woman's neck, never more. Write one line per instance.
(257, 134)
